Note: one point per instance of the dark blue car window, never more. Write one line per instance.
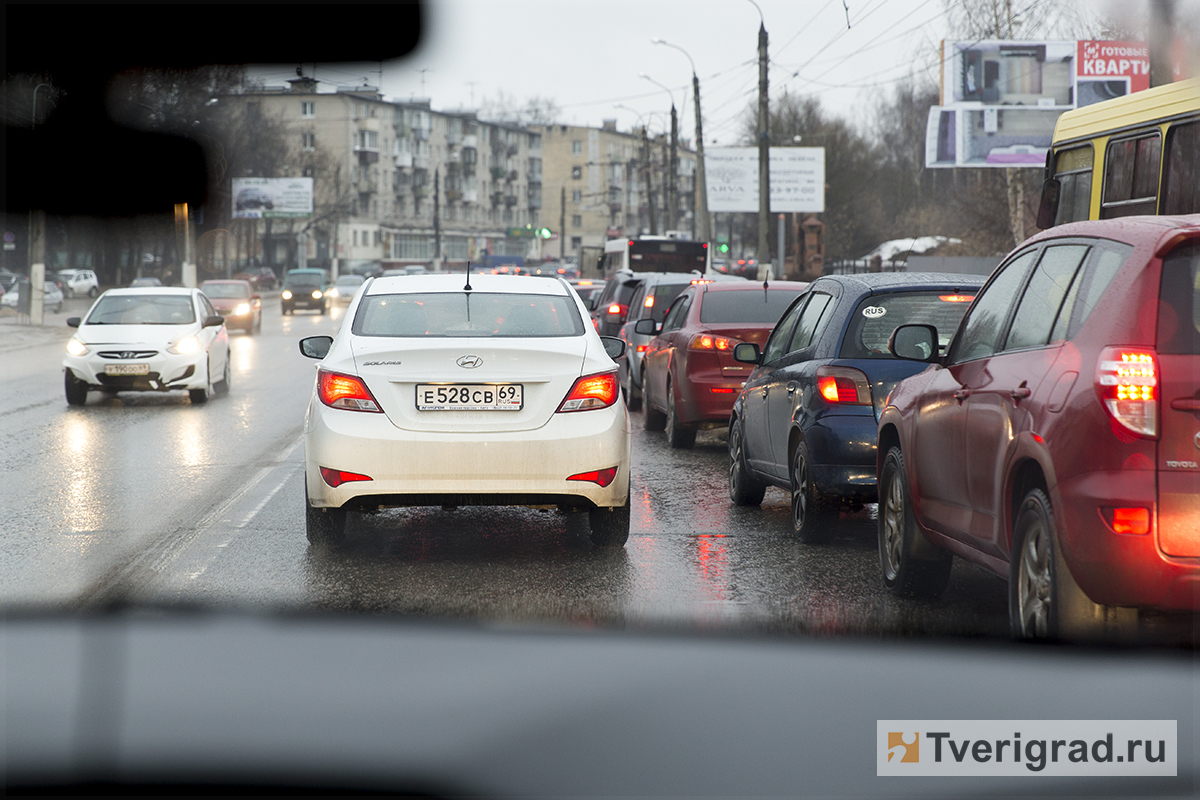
(876, 316)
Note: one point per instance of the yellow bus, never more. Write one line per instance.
(1138, 154)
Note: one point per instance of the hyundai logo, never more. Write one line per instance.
(469, 362)
(128, 354)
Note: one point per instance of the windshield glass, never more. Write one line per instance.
(225, 290)
(468, 314)
(303, 280)
(142, 309)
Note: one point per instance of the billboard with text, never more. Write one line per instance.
(272, 198)
(797, 179)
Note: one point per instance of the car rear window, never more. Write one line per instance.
(878, 315)
(1179, 310)
(468, 314)
(758, 305)
(143, 309)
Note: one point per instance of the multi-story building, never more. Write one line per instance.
(596, 184)
(397, 183)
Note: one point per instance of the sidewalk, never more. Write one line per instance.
(17, 334)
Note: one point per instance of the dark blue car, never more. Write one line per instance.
(806, 418)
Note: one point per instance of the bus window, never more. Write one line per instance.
(1131, 169)
(1181, 170)
(1073, 171)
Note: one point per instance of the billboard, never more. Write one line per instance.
(271, 198)
(1002, 99)
(797, 179)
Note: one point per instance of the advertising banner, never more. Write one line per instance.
(797, 179)
(1002, 99)
(272, 198)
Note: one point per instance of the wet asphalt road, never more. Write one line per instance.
(146, 498)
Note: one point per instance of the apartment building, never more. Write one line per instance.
(397, 183)
(599, 183)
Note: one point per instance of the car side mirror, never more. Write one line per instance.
(213, 321)
(646, 327)
(747, 353)
(914, 343)
(316, 346)
(73, 322)
(1048, 209)
(614, 347)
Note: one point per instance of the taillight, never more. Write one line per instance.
(641, 348)
(1127, 382)
(844, 385)
(617, 309)
(336, 477)
(707, 341)
(345, 392)
(601, 477)
(649, 301)
(1127, 520)
(591, 392)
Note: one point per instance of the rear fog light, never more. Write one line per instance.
(336, 477)
(601, 477)
(1127, 520)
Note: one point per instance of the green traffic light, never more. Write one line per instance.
(544, 233)
(724, 248)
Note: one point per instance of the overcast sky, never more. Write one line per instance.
(588, 55)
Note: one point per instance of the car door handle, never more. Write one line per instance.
(764, 394)
(792, 387)
(1021, 392)
(1186, 404)
(962, 394)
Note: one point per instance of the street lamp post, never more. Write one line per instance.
(705, 229)
(671, 186)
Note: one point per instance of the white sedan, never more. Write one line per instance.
(441, 391)
(154, 339)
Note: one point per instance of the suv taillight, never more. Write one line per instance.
(592, 391)
(345, 392)
(844, 385)
(1127, 382)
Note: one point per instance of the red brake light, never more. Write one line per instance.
(591, 392)
(615, 308)
(844, 385)
(1127, 520)
(649, 301)
(641, 348)
(345, 392)
(723, 390)
(956, 298)
(603, 477)
(1127, 382)
(706, 341)
(336, 477)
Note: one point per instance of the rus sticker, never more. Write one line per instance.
(874, 312)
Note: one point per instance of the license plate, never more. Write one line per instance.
(126, 369)
(470, 397)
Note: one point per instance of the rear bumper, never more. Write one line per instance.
(1123, 569)
(843, 453)
(500, 468)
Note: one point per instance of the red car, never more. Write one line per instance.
(237, 302)
(689, 376)
(1057, 442)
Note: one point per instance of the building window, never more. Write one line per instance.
(576, 242)
(308, 141)
(577, 221)
(576, 147)
(308, 108)
(308, 172)
(576, 172)
(577, 196)
(356, 238)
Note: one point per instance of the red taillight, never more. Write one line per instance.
(844, 385)
(617, 309)
(336, 477)
(956, 298)
(723, 390)
(1127, 520)
(345, 392)
(701, 280)
(1127, 382)
(649, 301)
(591, 392)
(641, 348)
(707, 341)
(602, 477)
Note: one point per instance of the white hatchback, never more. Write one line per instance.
(441, 391)
(154, 339)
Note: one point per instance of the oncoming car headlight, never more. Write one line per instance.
(76, 347)
(287, 295)
(242, 308)
(316, 294)
(185, 346)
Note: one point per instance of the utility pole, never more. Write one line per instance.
(337, 208)
(437, 225)
(668, 215)
(701, 186)
(649, 179)
(764, 160)
(673, 166)
(562, 226)
(1162, 13)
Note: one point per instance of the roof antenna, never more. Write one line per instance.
(467, 288)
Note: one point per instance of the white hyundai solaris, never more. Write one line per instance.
(152, 339)
(454, 390)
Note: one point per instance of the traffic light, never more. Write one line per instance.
(544, 233)
(724, 248)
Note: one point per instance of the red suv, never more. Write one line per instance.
(1057, 441)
